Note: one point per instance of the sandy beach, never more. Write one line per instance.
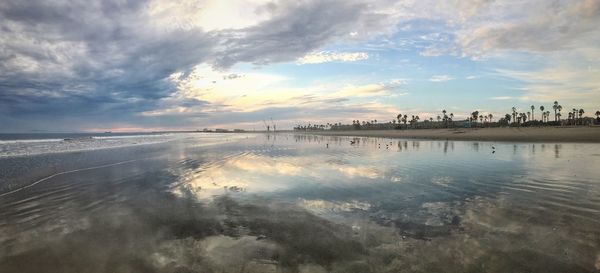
(524, 134)
(295, 203)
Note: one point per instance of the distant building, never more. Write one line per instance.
(238, 130)
(221, 130)
(587, 121)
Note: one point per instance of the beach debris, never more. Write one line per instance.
(261, 237)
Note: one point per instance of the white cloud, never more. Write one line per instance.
(501, 98)
(207, 15)
(568, 83)
(208, 92)
(397, 82)
(560, 40)
(441, 78)
(363, 90)
(325, 57)
(117, 45)
(556, 26)
(434, 52)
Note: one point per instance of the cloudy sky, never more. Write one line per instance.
(120, 65)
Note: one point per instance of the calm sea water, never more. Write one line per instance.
(300, 203)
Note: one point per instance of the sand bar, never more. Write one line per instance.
(513, 134)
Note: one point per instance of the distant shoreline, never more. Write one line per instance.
(503, 134)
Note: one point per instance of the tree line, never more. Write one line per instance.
(476, 119)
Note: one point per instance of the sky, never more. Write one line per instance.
(120, 65)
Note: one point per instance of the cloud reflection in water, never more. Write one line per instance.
(291, 204)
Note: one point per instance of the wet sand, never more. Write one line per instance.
(529, 134)
(303, 203)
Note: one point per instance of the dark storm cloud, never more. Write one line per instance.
(78, 58)
(107, 60)
(296, 28)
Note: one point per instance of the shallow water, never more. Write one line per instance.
(12, 145)
(298, 203)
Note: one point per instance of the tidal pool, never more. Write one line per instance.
(303, 203)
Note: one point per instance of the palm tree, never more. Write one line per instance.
(514, 109)
(481, 118)
(559, 109)
(558, 115)
(490, 116)
(543, 116)
(475, 115)
(574, 116)
(555, 107)
(399, 117)
(529, 116)
(597, 114)
(543, 113)
(438, 118)
(581, 116)
(532, 108)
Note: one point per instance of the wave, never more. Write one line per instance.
(12, 141)
(28, 147)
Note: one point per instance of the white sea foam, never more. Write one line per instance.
(13, 141)
(132, 136)
(25, 147)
